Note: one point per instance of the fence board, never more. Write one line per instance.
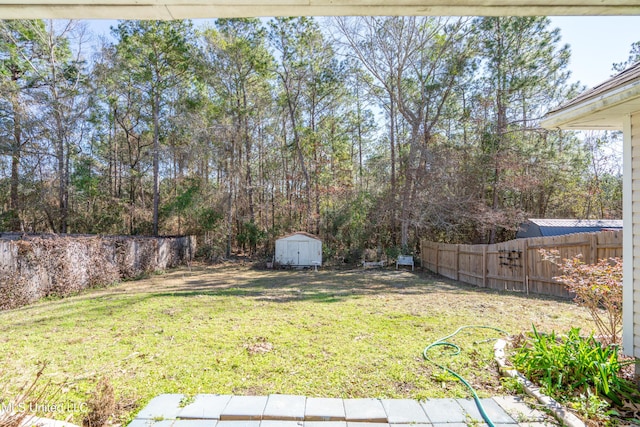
(518, 265)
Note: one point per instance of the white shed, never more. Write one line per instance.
(299, 250)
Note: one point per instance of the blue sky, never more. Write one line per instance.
(596, 42)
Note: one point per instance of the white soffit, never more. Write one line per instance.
(184, 9)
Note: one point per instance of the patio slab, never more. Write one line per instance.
(324, 409)
(404, 411)
(244, 408)
(491, 408)
(164, 406)
(364, 410)
(444, 411)
(284, 407)
(281, 410)
(205, 406)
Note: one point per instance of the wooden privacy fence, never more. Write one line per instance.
(517, 265)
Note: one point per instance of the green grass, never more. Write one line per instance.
(242, 331)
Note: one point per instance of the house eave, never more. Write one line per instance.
(182, 9)
(603, 112)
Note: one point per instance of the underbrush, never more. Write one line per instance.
(581, 373)
(33, 394)
(40, 397)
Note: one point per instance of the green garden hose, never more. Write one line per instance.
(442, 342)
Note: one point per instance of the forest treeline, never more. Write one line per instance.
(370, 132)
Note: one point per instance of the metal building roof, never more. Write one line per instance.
(542, 227)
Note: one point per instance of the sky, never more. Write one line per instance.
(597, 42)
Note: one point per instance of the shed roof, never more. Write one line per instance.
(303, 233)
(535, 227)
(602, 107)
(595, 223)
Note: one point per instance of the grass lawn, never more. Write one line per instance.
(232, 329)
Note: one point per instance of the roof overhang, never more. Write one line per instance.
(603, 112)
(184, 9)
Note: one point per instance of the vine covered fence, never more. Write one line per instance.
(37, 266)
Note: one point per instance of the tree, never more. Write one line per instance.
(236, 53)
(418, 62)
(290, 37)
(121, 106)
(22, 52)
(64, 101)
(159, 55)
(634, 56)
(524, 71)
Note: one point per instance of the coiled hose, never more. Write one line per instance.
(442, 342)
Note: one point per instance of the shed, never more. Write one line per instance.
(299, 250)
(536, 227)
(615, 105)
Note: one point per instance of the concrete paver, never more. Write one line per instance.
(539, 424)
(404, 411)
(444, 411)
(325, 424)
(519, 410)
(247, 423)
(284, 407)
(324, 409)
(205, 406)
(281, 423)
(164, 406)
(360, 424)
(244, 408)
(491, 408)
(364, 410)
(194, 423)
(278, 410)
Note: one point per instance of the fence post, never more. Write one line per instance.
(525, 265)
(484, 266)
(437, 246)
(457, 262)
(593, 249)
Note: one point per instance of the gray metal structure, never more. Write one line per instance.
(535, 227)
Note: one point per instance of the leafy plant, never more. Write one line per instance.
(592, 406)
(574, 366)
(597, 287)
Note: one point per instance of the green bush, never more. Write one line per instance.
(575, 369)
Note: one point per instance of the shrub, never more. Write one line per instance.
(598, 288)
(101, 405)
(34, 393)
(575, 369)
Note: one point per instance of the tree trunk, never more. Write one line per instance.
(156, 159)
(392, 150)
(16, 151)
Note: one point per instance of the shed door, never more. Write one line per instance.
(298, 253)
